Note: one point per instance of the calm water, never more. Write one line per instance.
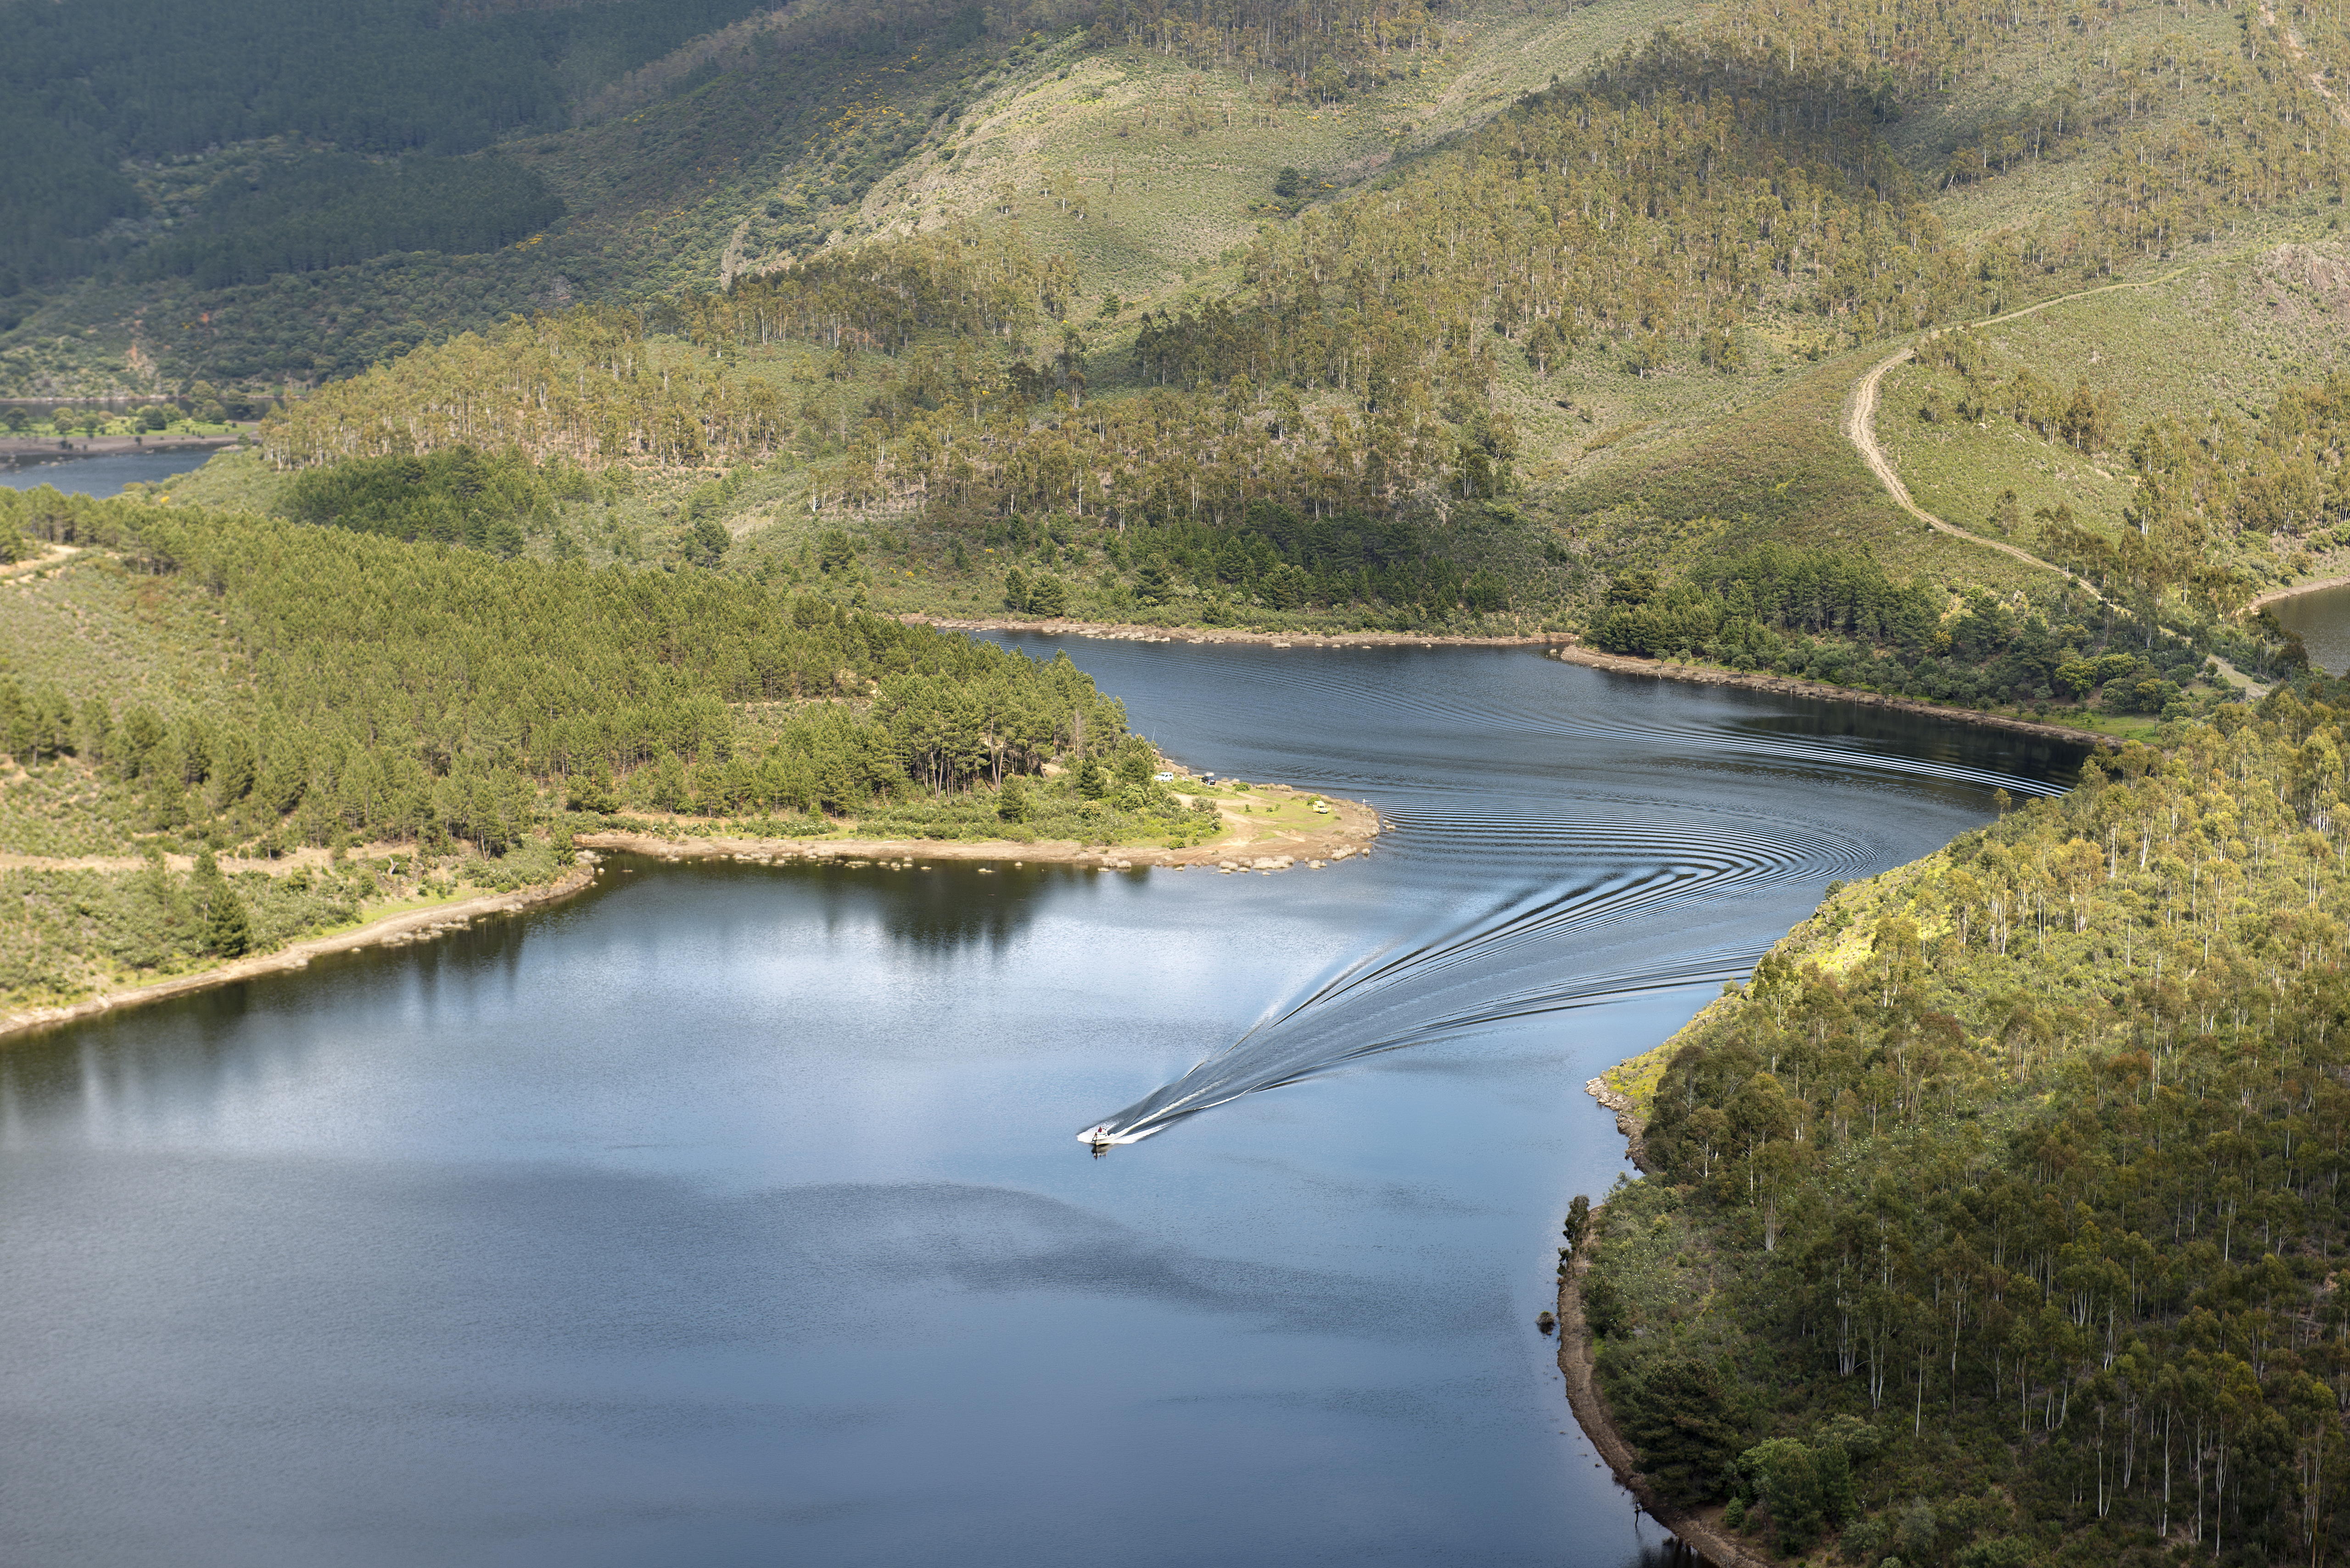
(2322, 616)
(736, 1215)
(100, 476)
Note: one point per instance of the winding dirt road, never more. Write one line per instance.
(1860, 429)
(1860, 423)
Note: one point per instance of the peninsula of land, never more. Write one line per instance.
(1264, 828)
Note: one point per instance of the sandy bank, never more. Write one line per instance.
(1248, 844)
(1251, 845)
(1705, 675)
(28, 447)
(391, 930)
(1699, 1531)
(1115, 631)
(2263, 601)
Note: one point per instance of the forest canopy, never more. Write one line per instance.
(417, 690)
(331, 210)
(95, 82)
(2095, 1316)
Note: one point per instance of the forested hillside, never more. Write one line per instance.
(197, 683)
(603, 153)
(1593, 336)
(2093, 1318)
(92, 86)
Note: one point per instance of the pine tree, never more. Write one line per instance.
(229, 931)
(1151, 585)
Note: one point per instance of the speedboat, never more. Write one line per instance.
(1098, 1136)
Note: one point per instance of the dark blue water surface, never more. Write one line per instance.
(2321, 617)
(101, 476)
(732, 1214)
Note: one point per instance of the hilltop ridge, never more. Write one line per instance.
(1464, 319)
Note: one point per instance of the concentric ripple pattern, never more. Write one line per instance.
(1571, 840)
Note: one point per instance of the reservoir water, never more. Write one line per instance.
(2321, 617)
(732, 1214)
(103, 475)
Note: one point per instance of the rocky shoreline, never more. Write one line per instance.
(1121, 631)
(1628, 1121)
(1579, 1362)
(1788, 686)
(390, 930)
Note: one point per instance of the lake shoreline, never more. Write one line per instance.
(1128, 631)
(1789, 686)
(1579, 1362)
(1563, 645)
(15, 448)
(2277, 595)
(388, 930)
(1353, 827)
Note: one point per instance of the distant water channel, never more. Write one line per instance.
(2321, 616)
(103, 475)
(736, 1215)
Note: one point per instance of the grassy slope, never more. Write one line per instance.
(1619, 469)
(2030, 71)
(1778, 468)
(2223, 333)
(1164, 206)
(679, 180)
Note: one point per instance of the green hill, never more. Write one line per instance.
(1611, 326)
(202, 713)
(1612, 280)
(2096, 1318)
(723, 329)
(623, 150)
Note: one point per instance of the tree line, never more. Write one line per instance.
(415, 690)
(1833, 615)
(2093, 1316)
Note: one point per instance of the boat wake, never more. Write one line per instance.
(1642, 870)
(1499, 960)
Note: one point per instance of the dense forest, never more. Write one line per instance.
(2094, 1317)
(455, 497)
(399, 684)
(93, 85)
(1835, 617)
(460, 702)
(331, 210)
